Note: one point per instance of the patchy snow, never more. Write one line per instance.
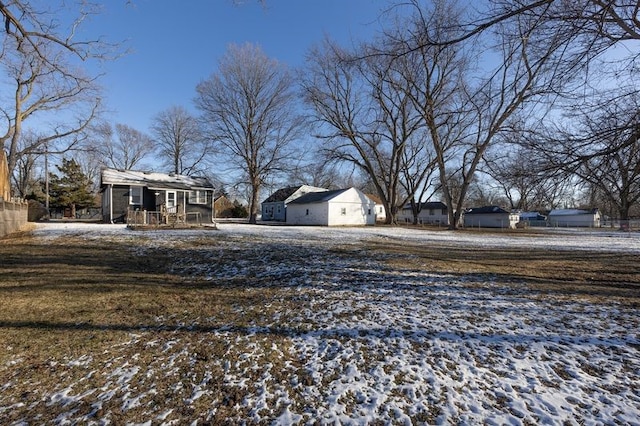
(602, 239)
(368, 343)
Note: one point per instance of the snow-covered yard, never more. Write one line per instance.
(336, 335)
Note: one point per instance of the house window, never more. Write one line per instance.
(380, 209)
(369, 212)
(135, 195)
(343, 211)
(198, 197)
(432, 212)
(307, 212)
(171, 199)
(278, 209)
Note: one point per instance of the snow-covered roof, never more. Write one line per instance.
(283, 194)
(153, 180)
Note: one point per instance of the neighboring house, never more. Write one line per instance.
(431, 213)
(275, 207)
(332, 208)
(533, 219)
(223, 207)
(381, 214)
(574, 218)
(490, 217)
(162, 196)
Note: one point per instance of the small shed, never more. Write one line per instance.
(341, 207)
(275, 206)
(578, 218)
(431, 213)
(156, 196)
(490, 217)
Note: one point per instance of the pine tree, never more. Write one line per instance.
(72, 189)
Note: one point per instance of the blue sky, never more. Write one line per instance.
(175, 45)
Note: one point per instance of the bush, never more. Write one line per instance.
(239, 211)
(37, 211)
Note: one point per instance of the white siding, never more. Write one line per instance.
(589, 220)
(358, 210)
(491, 220)
(425, 217)
(308, 214)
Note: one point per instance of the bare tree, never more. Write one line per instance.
(24, 174)
(39, 53)
(122, 148)
(525, 178)
(39, 91)
(249, 107)
(319, 171)
(603, 150)
(469, 118)
(366, 118)
(35, 29)
(182, 146)
(595, 25)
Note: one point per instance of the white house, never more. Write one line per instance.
(275, 207)
(490, 217)
(381, 214)
(431, 213)
(332, 208)
(574, 218)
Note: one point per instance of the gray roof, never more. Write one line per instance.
(154, 180)
(318, 197)
(282, 194)
(486, 210)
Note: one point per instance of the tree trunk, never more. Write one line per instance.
(253, 204)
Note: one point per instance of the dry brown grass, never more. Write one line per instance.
(63, 298)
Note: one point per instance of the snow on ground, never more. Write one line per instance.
(553, 238)
(376, 344)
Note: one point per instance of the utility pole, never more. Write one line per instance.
(46, 177)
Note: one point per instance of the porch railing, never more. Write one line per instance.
(162, 218)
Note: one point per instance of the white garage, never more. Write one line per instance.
(342, 207)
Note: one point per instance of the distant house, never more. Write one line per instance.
(168, 196)
(532, 219)
(431, 213)
(332, 208)
(381, 214)
(574, 218)
(490, 217)
(223, 207)
(275, 207)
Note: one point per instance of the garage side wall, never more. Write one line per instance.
(308, 214)
(350, 213)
